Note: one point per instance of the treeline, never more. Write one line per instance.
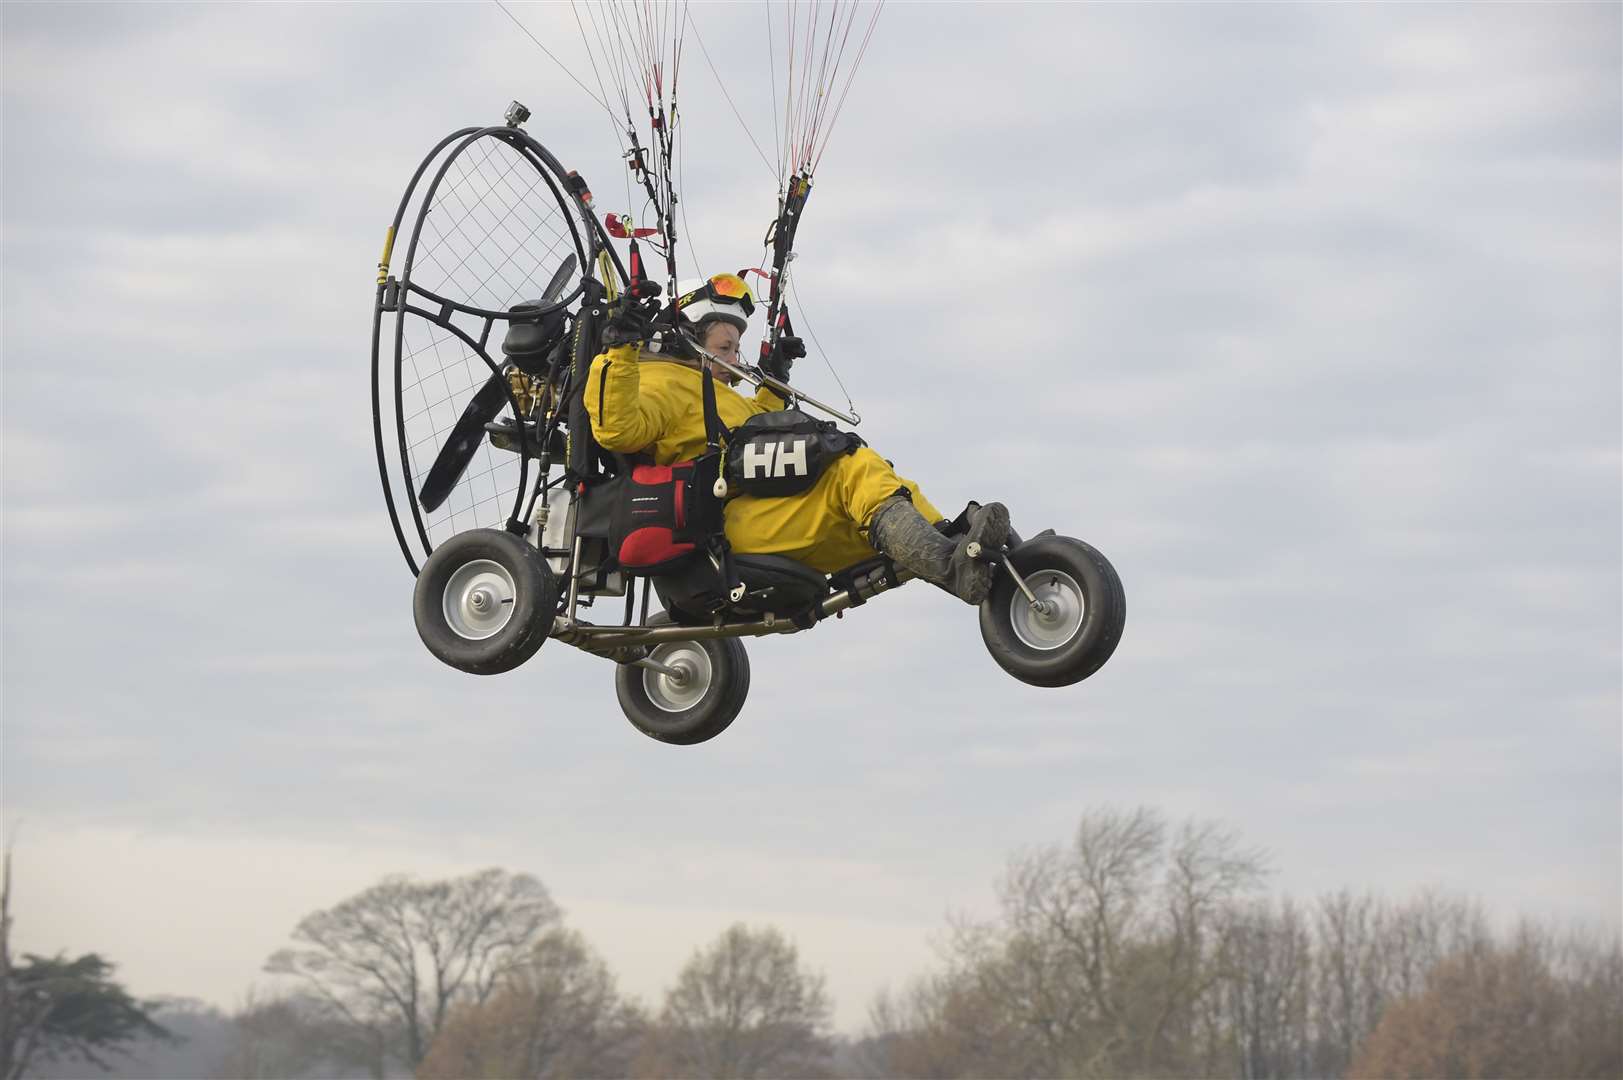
(1143, 951)
(1138, 949)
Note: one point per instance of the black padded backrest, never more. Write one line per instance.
(597, 509)
(594, 515)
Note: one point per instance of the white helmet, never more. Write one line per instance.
(721, 296)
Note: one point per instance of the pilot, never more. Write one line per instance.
(645, 402)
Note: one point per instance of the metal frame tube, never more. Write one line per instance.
(1019, 582)
(1042, 607)
(663, 669)
(601, 639)
(755, 378)
(574, 579)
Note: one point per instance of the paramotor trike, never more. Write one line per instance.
(502, 507)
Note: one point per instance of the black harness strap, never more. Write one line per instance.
(716, 435)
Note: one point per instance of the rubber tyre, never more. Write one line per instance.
(534, 602)
(716, 706)
(1072, 655)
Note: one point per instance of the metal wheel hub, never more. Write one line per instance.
(680, 692)
(478, 599)
(1057, 616)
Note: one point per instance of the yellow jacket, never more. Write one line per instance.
(657, 405)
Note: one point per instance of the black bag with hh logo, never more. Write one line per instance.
(783, 453)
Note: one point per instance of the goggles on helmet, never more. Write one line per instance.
(722, 289)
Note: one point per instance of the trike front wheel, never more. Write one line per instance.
(1074, 624)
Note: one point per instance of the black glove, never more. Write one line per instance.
(783, 356)
(668, 336)
(629, 323)
(674, 343)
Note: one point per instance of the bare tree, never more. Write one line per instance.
(1128, 920)
(1520, 1009)
(280, 1035)
(948, 1025)
(744, 1007)
(1370, 952)
(1101, 961)
(556, 1014)
(1350, 992)
(1591, 968)
(393, 959)
(1263, 1005)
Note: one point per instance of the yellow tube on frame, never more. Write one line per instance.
(383, 263)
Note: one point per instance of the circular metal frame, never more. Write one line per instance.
(1056, 618)
(478, 599)
(582, 230)
(586, 235)
(671, 694)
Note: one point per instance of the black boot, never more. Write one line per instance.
(900, 531)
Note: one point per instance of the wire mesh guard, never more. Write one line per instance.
(439, 375)
(495, 230)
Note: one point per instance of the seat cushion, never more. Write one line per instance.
(770, 567)
(779, 584)
(771, 583)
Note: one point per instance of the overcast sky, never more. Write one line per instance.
(1307, 316)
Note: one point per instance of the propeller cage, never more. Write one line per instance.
(490, 222)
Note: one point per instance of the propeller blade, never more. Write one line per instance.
(469, 431)
(556, 285)
(465, 438)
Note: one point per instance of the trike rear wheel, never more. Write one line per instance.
(697, 695)
(484, 602)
